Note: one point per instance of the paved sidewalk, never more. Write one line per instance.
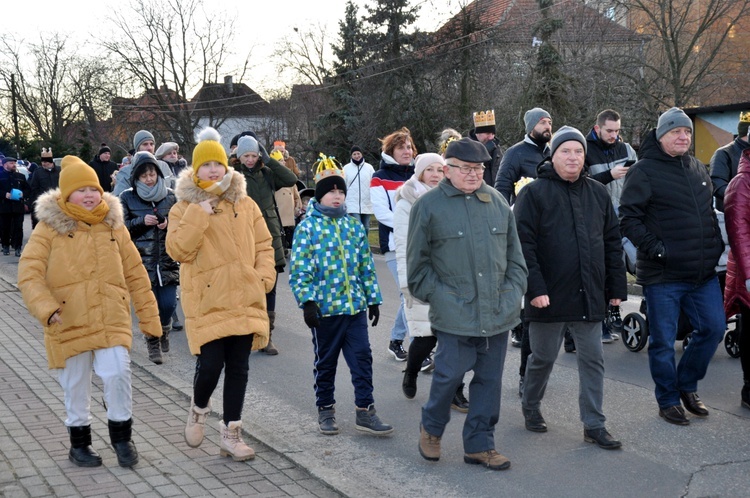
(34, 443)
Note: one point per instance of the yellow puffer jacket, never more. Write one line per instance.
(227, 262)
(89, 272)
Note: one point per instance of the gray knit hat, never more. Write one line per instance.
(533, 116)
(671, 119)
(566, 134)
(246, 144)
(141, 137)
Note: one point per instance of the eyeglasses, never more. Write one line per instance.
(468, 169)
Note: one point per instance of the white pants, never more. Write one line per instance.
(112, 365)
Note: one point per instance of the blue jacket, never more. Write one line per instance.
(331, 264)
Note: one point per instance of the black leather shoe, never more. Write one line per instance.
(534, 421)
(693, 404)
(602, 438)
(674, 415)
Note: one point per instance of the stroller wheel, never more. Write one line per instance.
(732, 343)
(634, 332)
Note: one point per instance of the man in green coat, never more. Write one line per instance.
(464, 258)
(264, 176)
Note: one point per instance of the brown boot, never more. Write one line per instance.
(195, 430)
(232, 444)
(489, 458)
(270, 349)
(429, 445)
(154, 349)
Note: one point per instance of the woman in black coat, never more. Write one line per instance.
(146, 206)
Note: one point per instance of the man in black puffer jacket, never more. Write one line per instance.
(572, 246)
(724, 162)
(665, 210)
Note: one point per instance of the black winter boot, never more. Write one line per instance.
(120, 434)
(81, 452)
(164, 339)
(154, 349)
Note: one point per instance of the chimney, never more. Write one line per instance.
(228, 84)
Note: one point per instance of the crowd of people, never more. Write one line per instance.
(483, 243)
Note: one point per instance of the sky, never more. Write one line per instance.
(266, 22)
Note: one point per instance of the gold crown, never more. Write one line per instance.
(745, 117)
(326, 166)
(484, 118)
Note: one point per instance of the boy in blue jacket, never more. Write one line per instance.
(333, 279)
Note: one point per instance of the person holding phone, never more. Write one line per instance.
(608, 159)
(146, 205)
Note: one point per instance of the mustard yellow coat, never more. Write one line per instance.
(226, 262)
(89, 273)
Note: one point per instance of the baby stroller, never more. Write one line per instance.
(635, 325)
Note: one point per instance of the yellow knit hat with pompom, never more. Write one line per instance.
(209, 148)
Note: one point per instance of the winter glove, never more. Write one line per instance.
(264, 154)
(373, 313)
(659, 252)
(408, 299)
(311, 311)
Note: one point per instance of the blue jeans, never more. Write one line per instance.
(703, 305)
(455, 356)
(399, 330)
(166, 300)
(362, 218)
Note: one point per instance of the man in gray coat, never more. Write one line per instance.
(464, 258)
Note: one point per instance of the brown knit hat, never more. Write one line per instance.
(75, 174)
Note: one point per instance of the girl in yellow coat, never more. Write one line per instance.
(77, 275)
(219, 236)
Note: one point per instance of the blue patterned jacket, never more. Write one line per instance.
(331, 264)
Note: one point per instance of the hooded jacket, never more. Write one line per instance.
(262, 183)
(150, 240)
(89, 273)
(383, 186)
(572, 246)
(227, 264)
(737, 217)
(666, 212)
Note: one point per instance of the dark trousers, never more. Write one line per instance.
(271, 296)
(744, 342)
(419, 349)
(347, 334)
(11, 230)
(166, 299)
(230, 354)
(525, 347)
(455, 356)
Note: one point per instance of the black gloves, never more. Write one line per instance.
(264, 154)
(373, 313)
(311, 311)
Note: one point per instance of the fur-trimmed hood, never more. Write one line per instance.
(186, 189)
(48, 211)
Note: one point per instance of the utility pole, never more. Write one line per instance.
(15, 112)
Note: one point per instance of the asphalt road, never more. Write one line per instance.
(709, 457)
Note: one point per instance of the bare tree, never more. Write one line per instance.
(60, 95)
(688, 51)
(306, 53)
(171, 48)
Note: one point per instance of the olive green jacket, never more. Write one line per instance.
(262, 183)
